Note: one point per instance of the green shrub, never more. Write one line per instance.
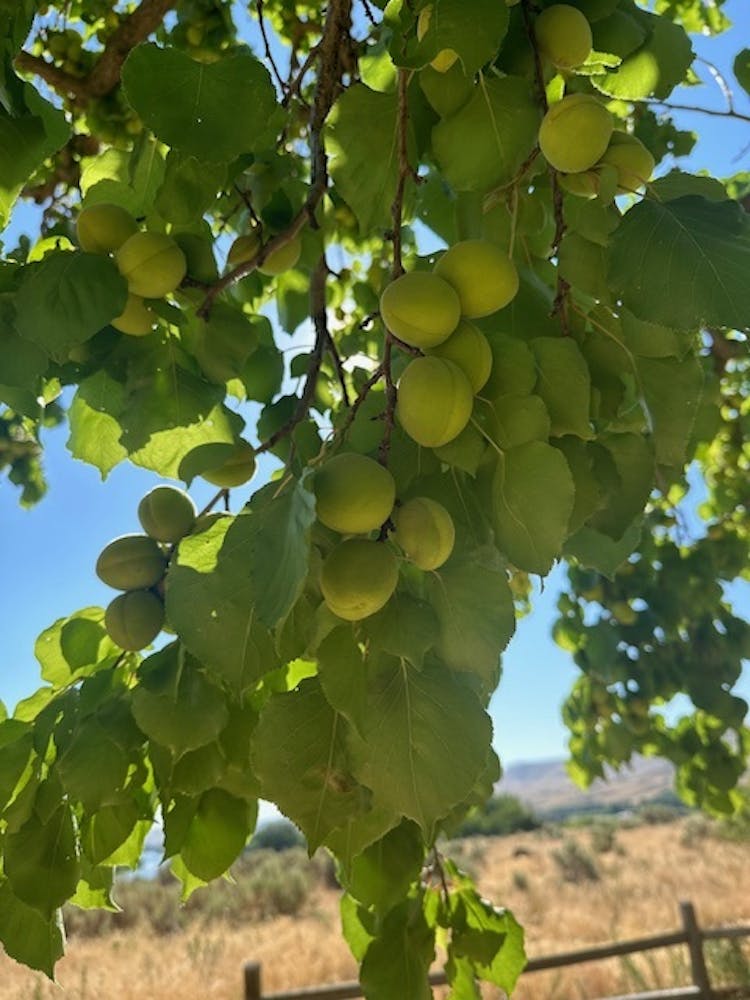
(575, 863)
(501, 815)
(277, 835)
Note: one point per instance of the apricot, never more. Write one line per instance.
(420, 308)
(358, 578)
(235, 470)
(563, 35)
(152, 264)
(103, 228)
(136, 319)
(282, 259)
(244, 249)
(354, 494)
(167, 514)
(134, 620)
(575, 133)
(446, 57)
(470, 350)
(131, 562)
(583, 185)
(632, 161)
(425, 531)
(483, 275)
(434, 401)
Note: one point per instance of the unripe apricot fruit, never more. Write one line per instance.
(167, 514)
(446, 57)
(563, 35)
(420, 308)
(282, 259)
(434, 401)
(358, 578)
(131, 562)
(482, 274)
(134, 620)
(354, 494)
(468, 348)
(152, 264)
(244, 249)
(575, 133)
(425, 531)
(235, 470)
(103, 228)
(632, 161)
(136, 319)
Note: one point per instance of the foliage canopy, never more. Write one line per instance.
(193, 186)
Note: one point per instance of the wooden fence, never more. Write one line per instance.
(690, 934)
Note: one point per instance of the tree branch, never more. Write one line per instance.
(267, 46)
(729, 113)
(63, 83)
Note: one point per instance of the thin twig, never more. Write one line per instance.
(267, 46)
(339, 368)
(294, 86)
(222, 494)
(701, 111)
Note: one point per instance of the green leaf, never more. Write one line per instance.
(213, 111)
(84, 783)
(518, 420)
(655, 68)
(672, 390)
(175, 704)
(381, 876)
(23, 362)
(405, 627)
(742, 69)
(583, 264)
(189, 188)
(27, 936)
(364, 161)
(217, 832)
(424, 740)
(75, 647)
(483, 145)
(634, 461)
(94, 426)
(475, 610)
(41, 860)
(114, 834)
(362, 829)
(564, 384)
(397, 962)
(301, 757)
(600, 552)
(589, 491)
(453, 25)
(698, 249)
(16, 744)
(533, 493)
(67, 298)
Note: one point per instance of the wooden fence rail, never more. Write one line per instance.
(690, 934)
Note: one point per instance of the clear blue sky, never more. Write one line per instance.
(48, 553)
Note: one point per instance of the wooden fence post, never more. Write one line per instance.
(252, 981)
(695, 947)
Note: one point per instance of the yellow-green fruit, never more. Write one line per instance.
(563, 35)
(358, 578)
(104, 228)
(434, 401)
(131, 562)
(152, 264)
(575, 133)
(354, 494)
(470, 350)
(282, 259)
(632, 161)
(167, 514)
(134, 620)
(425, 531)
(235, 470)
(583, 185)
(136, 319)
(420, 308)
(244, 249)
(483, 275)
(446, 57)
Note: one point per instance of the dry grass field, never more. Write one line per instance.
(642, 876)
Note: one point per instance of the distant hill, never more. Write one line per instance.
(546, 787)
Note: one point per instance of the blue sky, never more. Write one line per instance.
(48, 553)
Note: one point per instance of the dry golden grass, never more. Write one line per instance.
(637, 895)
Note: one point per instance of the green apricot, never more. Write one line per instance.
(434, 401)
(575, 133)
(420, 308)
(244, 249)
(470, 350)
(131, 562)
(483, 275)
(282, 259)
(358, 578)
(167, 514)
(354, 494)
(583, 185)
(632, 161)
(235, 470)
(136, 319)
(134, 620)
(103, 228)
(152, 264)
(563, 35)
(425, 531)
